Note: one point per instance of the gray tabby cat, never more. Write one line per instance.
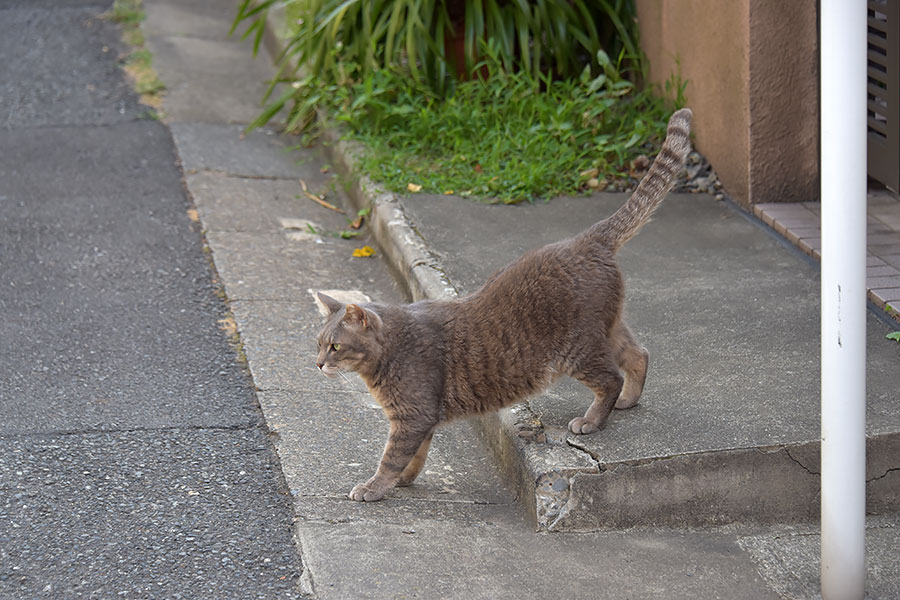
(557, 310)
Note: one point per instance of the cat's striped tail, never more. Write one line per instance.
(625, 222)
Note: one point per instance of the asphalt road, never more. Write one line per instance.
(134, 461)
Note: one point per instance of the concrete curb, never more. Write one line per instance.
(397, 236)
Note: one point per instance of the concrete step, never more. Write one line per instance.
(727, 429)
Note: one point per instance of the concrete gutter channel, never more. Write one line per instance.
(562, 483)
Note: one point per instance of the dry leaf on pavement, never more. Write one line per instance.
(319, 200)
(364, 252)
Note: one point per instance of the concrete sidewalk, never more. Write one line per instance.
(724, 436)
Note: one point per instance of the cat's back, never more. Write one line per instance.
(508, 340)
(554, 277)
(423, 320)
(541, 304)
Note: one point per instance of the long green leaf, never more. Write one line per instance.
(335, 14)
(523, 22)
(502, 32)
(411, 40)
(257, 40)
(624, 34)
(245, 11)
(393, 28)
(478, 32)
(271, 110)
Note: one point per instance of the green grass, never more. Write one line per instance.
(537, 110)
(139, 63)
(127, 12)
(508, 137)
(505, 139)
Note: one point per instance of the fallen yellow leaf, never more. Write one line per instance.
(448, 193)
(414, 187)
(229, 326)
(364, 252)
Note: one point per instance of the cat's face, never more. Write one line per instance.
(349, 341)
(340, 349)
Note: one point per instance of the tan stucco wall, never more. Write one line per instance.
(743, 61)
(784, 101)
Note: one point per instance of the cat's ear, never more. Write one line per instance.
(357, 315)
(330, 303)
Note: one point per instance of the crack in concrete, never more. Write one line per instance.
(612, 466)
(591, 455)
(425, 256)
(404, 221)
(638, 462)
(883, 475)
(235, 175)
(299, 390)
(802, 466)
(75, 432)
(445, 279)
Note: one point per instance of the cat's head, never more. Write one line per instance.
(350, 339)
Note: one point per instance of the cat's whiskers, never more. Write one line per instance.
(352, 382)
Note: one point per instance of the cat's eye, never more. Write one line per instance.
(335, 347)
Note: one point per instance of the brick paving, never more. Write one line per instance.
(799, 223)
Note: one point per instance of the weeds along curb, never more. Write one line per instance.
(394, 231)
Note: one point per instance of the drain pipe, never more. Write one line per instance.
(843, 175)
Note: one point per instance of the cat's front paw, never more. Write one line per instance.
(363, 493)
(581, 426)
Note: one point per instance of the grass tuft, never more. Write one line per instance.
(139, 64)
(509, 141)
(129, 13)
(506, 137)
(519, 125)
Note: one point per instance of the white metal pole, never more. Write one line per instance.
(843, 178)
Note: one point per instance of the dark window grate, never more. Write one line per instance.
(884, 92)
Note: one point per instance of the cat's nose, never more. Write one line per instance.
(320, 365)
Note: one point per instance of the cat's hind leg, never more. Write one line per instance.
(412, 470)
(600, 374)
(633, 359)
